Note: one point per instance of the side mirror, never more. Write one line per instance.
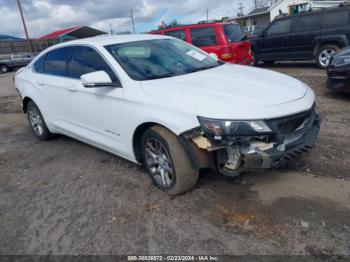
(215, 56)
(96, 79)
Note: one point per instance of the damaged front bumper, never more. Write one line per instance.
(292, 136)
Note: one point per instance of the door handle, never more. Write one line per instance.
(72, 89)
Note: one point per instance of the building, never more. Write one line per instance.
(263, 16)
(258, 16)
(73, 33)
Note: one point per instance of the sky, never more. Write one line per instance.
(45, 16)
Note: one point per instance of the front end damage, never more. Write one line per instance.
(231, 155)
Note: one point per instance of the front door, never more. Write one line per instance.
(95, 113)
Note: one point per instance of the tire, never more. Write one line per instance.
(4, 69)
(269, 62)
(255, 61)
(324, 55)
(37, 122)
(179, 176)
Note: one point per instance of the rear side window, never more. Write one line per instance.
(204, 36)
(307, 23)
(180, 34)
(39, 65)
(339, 18)
(56, 61)
(86, 60)
(234, 33)
(280, 27)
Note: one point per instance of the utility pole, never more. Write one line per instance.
(110, 28)
(132, 20)
(25, 28)
(240, 8)
(207, 15)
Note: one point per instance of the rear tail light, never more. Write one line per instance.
(226, 53)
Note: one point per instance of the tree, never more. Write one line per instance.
(173, 23)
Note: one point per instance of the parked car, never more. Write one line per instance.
(225, 39)
(159, 101)
(253, 31)
(311, 35)
(339, 72)
(10, 61)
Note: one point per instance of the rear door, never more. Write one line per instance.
(306, 29)
(206, 39)
(274, 44)
(337, 23)
(54, 83)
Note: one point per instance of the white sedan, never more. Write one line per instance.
(163, 103)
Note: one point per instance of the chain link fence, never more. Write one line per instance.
(9, 47)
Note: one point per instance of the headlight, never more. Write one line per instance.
(218, 128)
(340, 60)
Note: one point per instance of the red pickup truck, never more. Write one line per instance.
(225, 39)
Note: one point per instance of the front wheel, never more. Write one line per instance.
(167, 162)
(324, 55)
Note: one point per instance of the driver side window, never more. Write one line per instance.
(87, 60)
(280, 27)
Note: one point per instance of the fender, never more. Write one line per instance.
(340, 39)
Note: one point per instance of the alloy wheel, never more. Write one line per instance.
(325, 57)
(159, 163)
(3, 69)
(36, 121)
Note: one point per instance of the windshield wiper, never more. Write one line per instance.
(162, 76)
(203, 68)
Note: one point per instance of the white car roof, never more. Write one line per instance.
(103, 40)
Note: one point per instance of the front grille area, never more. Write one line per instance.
(288, 125)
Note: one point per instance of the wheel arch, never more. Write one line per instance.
(319, 44)
(26, 101)
(137, 138)
(198, 158)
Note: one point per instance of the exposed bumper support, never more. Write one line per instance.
(233, 159)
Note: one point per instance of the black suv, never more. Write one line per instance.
(309, 35)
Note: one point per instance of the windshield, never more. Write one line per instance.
(234, 33)
(159, 58)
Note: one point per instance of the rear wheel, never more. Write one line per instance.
(269, 62)
(324, 55)
(4, 68)
(166, 161)
(37, 123)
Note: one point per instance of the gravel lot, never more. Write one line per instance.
(64, 197)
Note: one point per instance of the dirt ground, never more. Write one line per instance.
(64, 197)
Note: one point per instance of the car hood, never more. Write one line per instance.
(227, 91)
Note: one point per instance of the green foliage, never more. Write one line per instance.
(173, 23)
